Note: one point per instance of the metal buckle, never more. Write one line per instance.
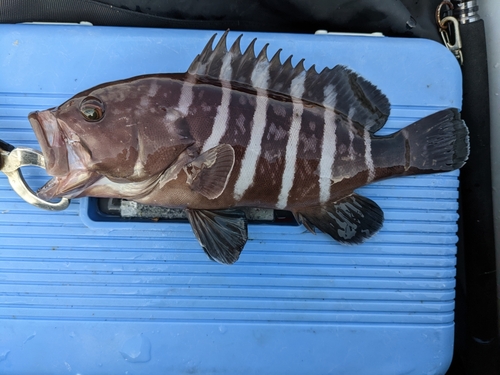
(446, 31)
(455, 47)
(10, 164)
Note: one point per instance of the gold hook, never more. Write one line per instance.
(438, 12)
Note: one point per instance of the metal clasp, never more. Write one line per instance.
(445, 31)
(455, 47)
(10, 164)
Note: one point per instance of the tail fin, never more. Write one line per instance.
(439, 142)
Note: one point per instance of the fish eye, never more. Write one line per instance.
(92, 109)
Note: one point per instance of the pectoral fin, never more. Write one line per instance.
(221, 233)
(209, 173)
(350, 220)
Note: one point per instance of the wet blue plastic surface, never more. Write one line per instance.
(78, 296)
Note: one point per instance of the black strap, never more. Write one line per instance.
(477, 215)
(102, 14)
(397, 18)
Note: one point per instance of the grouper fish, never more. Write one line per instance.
(240, 130)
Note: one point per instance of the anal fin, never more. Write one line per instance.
(350, 220)
(221, 233)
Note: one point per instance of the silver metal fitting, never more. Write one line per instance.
(466, 11)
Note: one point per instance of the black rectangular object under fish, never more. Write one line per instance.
(114, 209)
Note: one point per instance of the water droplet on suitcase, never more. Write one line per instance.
(136, 349)
(3, 355)
(30, 337)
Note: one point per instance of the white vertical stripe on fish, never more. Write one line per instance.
(260, 74)
(139, 163)
(368, 156)
(260, 78)
(297, 89)
(221, 120)
(186, 97)
(329, 138)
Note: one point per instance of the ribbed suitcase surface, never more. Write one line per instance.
(84, 295)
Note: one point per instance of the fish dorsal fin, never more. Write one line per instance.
(338, 89)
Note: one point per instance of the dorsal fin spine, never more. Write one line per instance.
(276, 58)
(222, 42)
(206, 51)
(235, 48)
(250, 51)
(300, 65)
(288, 63)
(260, 72)
(263, 53)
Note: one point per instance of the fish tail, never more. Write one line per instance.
(436, 143)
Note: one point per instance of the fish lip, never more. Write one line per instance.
(51, 140)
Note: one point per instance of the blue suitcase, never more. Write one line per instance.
(84, 292)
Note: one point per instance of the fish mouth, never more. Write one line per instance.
(51, 139)
(62, 159)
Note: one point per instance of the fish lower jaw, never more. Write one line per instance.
(70, 186)
(50, 191)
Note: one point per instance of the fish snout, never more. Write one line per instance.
(51, 140)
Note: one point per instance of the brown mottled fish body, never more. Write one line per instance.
(242, 130)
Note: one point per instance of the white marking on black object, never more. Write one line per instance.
(221, 120)
(329, 138)
(297, 89)
(368, 156)
(259, 78)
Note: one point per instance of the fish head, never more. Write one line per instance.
(113, 131)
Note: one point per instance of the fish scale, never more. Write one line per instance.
(240, 130)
